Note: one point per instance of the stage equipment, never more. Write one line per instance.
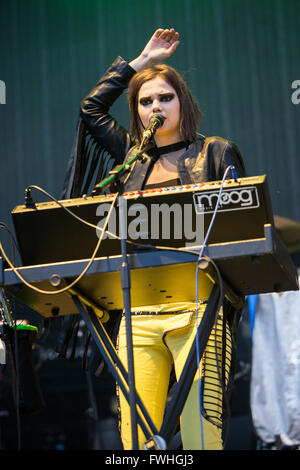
(47, 233)
(243, 245)
(18, 340)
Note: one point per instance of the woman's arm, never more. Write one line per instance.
(160, 46)
(95, 107)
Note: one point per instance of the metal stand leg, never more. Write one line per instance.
(125, 280)
(114, 364)
(185, 381)
(154, 440)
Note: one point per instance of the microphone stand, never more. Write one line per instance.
(116, 173)
(114, 179)
(156, 121)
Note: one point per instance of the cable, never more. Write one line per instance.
(55, 292)
(143, 246)
(15, 269)
(12, 240)
(85, 222)
(115, 236)
(9, 336)
(17, 376)
(13, 346)
(89, 224)
(229, 168)
(200, 257)
(103, 230)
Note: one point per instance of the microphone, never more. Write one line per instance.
(155, 121)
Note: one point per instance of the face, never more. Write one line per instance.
(157, 96)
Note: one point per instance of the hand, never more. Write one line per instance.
(161, 46)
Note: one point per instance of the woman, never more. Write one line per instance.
(163, 334)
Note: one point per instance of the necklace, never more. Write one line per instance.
(173, 147)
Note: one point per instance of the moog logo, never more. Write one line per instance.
(231, 199)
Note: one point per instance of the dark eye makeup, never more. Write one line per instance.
(164, 97)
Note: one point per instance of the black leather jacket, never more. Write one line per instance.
(206, 159)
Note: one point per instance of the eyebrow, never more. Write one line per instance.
(160, 95)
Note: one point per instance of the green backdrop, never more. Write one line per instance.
(239, 57)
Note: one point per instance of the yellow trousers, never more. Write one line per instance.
(159, 341)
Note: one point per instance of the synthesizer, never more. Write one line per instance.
(175, 217)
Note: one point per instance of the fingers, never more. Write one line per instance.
(169, 35)
(158, 33)
(174, 47)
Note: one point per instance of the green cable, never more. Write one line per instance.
(27, 327)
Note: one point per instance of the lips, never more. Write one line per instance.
(159, 114)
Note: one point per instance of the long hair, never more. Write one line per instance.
(190, 113)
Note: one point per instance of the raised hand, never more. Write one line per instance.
(161, 46)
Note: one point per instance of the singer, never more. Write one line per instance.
(175, 154)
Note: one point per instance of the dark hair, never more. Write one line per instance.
(190, 113)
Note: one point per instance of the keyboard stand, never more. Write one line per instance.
(262, 253)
